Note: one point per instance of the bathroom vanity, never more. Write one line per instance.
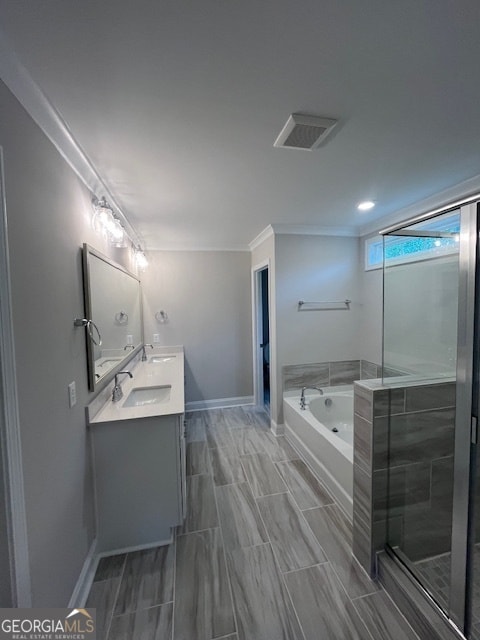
(139, 455)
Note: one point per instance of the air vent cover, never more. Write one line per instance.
(304, 132)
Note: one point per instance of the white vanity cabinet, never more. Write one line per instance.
(139, 470)
(138, 445)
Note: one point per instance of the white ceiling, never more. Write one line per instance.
(177, 104)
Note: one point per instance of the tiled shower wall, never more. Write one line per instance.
(406, 433)
(328, 374)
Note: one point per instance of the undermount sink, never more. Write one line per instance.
(157, 359)
(141, 396)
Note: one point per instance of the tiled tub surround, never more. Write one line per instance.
(329, 455)
(327, 374)
(331, 374)
(403, 444)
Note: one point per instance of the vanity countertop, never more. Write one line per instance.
(164, 368)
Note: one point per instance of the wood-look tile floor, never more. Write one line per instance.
(264, 553)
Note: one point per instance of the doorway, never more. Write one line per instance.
(265, 344)
(261, 336)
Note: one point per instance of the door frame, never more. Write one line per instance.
(257, 323)
(10, 440)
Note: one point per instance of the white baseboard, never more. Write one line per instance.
(138, 547)
(87, 574)
(85, 579)
(277, 429)
(218, 403)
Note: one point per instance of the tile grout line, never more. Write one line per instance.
(361, 618)
(282, 574)
(322, 486)
(116, 596)
(341, 582)
(275, 559)
(312, 566)
(342, 586)
(227, 569)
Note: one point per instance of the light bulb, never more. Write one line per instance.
(365, 206)
(141, 259)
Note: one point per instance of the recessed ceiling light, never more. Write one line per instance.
(365, 206)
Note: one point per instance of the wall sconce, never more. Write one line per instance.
(105, 221)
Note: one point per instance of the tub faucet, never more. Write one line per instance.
(128, 346)
(144, 353)
(117, 393)
(302, 397)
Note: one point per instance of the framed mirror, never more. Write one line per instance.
(113, 310)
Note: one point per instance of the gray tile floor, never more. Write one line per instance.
(435, 576)
(264, 554)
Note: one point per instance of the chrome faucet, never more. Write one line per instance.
(117, 393)
(302, 397)
(144, 353)
(128, 346)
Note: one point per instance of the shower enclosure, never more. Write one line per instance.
(430, 364)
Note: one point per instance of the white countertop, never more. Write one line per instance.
(169, 371)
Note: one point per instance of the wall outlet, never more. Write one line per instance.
(129, 338)
(156, 337)
(72, 394)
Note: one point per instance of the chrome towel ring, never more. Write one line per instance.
(90, 326)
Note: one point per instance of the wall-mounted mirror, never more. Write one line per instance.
(113, 304)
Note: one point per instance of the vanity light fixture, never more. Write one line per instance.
(141, 259)
(106, 222)
(366, 205)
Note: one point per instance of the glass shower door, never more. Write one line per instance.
(429, 304)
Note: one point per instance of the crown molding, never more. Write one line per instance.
(186, 247)
(462, 190)
(280, 228)
(38, 106)
(314, 230)
(262, 236)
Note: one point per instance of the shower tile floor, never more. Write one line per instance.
(435, 575)
(264, 553)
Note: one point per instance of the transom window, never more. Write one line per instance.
(436, 238)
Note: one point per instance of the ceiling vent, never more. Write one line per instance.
(304, 132)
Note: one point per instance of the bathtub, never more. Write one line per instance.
(323, 434)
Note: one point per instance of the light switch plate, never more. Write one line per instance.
(156, 337)
(72, 394)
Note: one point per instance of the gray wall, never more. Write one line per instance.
(421, 305)
(49, 214)
(315, 268)
(5, 581)
(421, 309)
(207, 297)
(370, 326)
